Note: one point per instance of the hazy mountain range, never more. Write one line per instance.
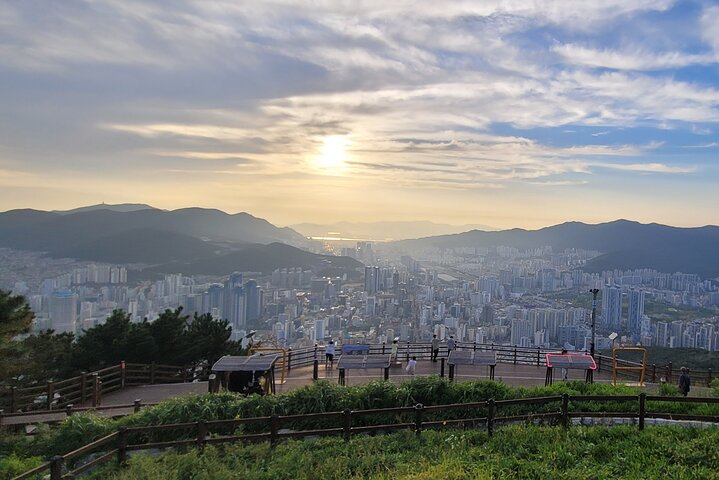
(190, 240)
(624, 244)
(382, 230)
(198, 240)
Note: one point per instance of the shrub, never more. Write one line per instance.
(668, 390)
(13, 465)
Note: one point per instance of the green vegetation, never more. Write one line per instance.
(517, 452)
(81, 429)
(694, 358)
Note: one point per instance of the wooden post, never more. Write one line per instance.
(709, 377)
(386, 374)
(441, 367)
(137, 404)
(383, 347)
(83, 387)
(408, 350)
(13, 399)
(642, 409)
(315, 351)
(122, 445)
(274, 427)
(347, 424)
(654, 373)
(2, 414)
(68, 409)
(490, 417)
(289, 359)
(565, 410)
(515, 354)
(95, 390)
(56, 465)
(418, 411)
(201, 434)
(152, 373)
(539, 353)
(474, 347)
(451, 372)
(184, 374)
(50, 394)
(669, 373)
(122, 375)
(315, 369)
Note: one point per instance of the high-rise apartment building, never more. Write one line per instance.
(636, 310)
(611, 307)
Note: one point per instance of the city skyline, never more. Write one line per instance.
(505, 114)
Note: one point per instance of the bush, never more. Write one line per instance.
(668, 390)
(715, 387)
(13, 465)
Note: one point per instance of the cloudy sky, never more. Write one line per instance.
(507, 113)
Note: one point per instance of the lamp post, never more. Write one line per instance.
(594, 293)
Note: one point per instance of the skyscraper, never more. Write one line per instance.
(253, 295)
(63, 311)
(636, 310)
(371, 279)
(611, 307)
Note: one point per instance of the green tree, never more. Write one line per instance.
(15, 319)
(211, 338)
(169, 331)
(103, 345)
(47, 356)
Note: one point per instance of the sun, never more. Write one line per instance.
(333, 154)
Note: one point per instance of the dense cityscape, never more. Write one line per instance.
(533, 298)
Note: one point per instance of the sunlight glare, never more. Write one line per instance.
(332, 154)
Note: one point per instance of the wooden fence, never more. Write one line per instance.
(486, 414)
(90, 387)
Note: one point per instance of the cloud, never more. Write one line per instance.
(648, 167)
(636, 59)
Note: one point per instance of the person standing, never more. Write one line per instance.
(412, 366)
(685, 382)
(451, 344)
(330, 355)
(395, 348)
(435, 347)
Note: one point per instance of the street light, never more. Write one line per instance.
(594, 292)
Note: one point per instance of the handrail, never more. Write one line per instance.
(118, 440)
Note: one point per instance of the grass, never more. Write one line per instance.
(515, 452)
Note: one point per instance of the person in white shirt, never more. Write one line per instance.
(411, 366)
(451, 344)
(330, 354)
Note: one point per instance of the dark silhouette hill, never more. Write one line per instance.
(57, 233)
(119, 207)
(624, 244)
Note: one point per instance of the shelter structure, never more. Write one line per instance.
(247, 374)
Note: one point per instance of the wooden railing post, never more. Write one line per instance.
(201, 434)
(122, 445)
(13, 399)
(515, 354)
(441, 367)
(137, 404)
(654, 373)
(50, 394)
(490, 417)
(68, 409)
(56, 465)
(709, 377)
(152, 373)
(418, 411)
(565, 410)
(122, 375)
(669, 373)
(95, 390)
(315, 369)
(289, 359)
(642, 409)
(451, 372)
(274, 428)
(2, 414)
(347, 424)
(474, 347)
(539, 354)
(83, 387)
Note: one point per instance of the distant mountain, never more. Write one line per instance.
(399, 230)
(104, 235)
(258, 258)
(120, 207)
(624, 244)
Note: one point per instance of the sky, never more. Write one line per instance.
(506, 113)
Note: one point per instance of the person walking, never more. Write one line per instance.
(685, 381)
(412, 366)
(395, 348)
(435, 347)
